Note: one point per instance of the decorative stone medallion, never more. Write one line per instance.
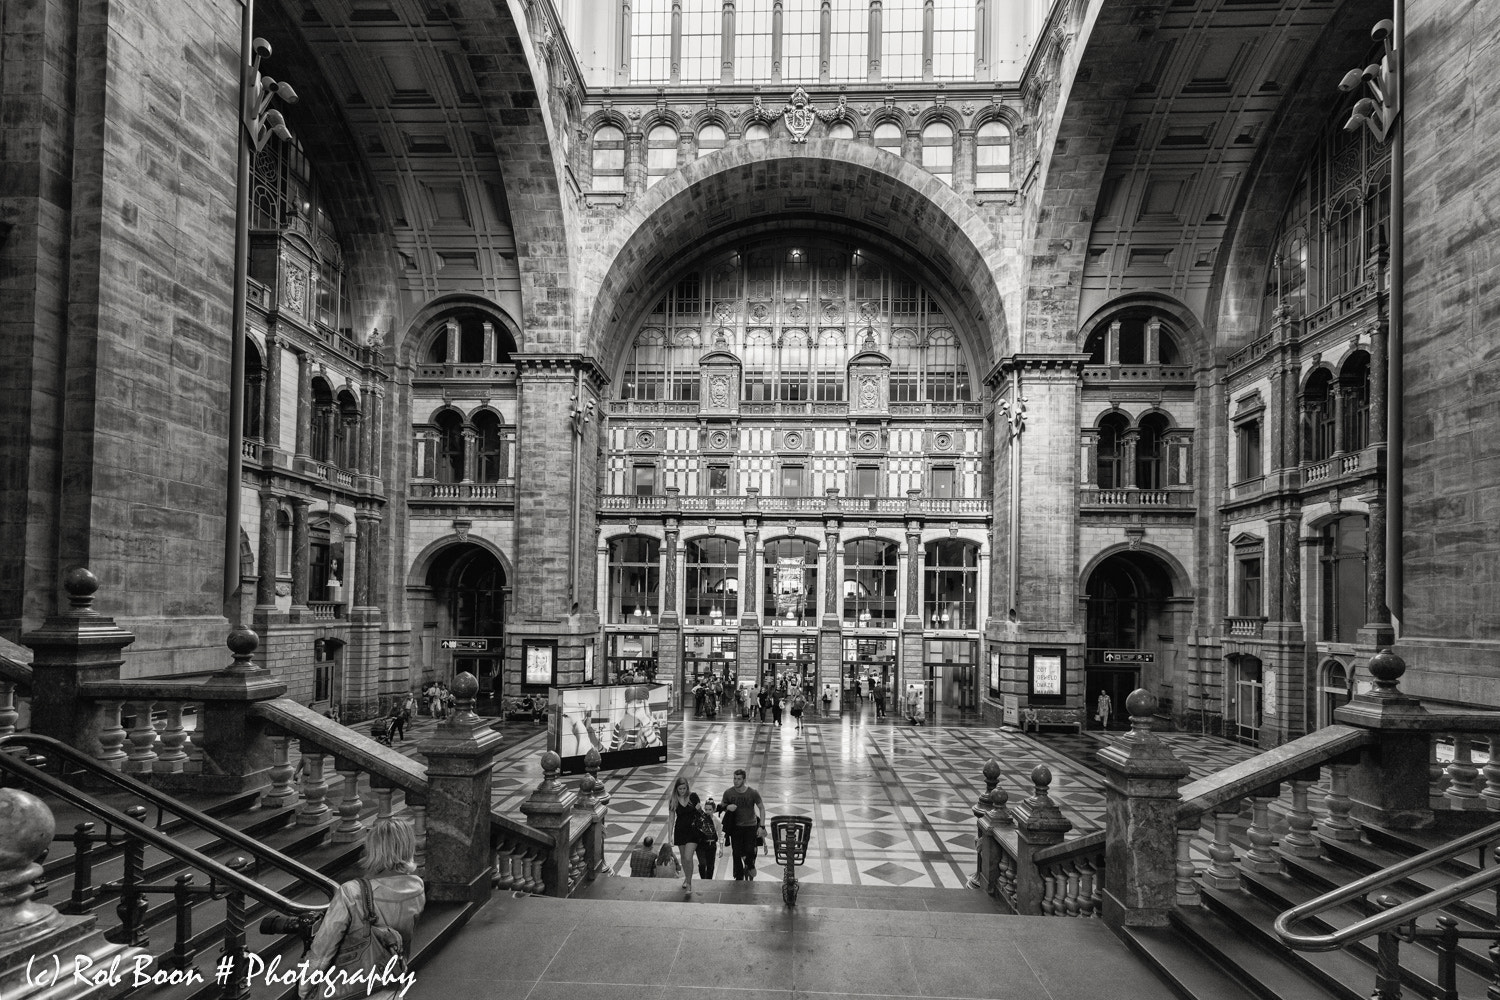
(942, 441)
(792, 440)
(645, 439)
(718, 440)
(868, 441)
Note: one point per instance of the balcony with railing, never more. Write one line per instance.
(1167, 375)
(798, 408)
(500, 493)
(1245, 626)
(1340, 467)
(957, 507)
(1133, 498)
(467, 371)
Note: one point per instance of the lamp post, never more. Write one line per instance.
(1380, 112)
(258, 122)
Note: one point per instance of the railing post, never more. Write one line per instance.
(1039, 823)
(1261, 857)
(1299, 842)
(236, 743)
(349, 827)
(546, 810)
(281, 792)
(986, 863)
(1491, 793)
(1186, 886)
(26, 828)
(460, 758)
(1141, 775)
(1463, 777)
(71, 648)
(1389, 785)
(1338, 826)
(1387, 958)
(8, 711)
(173, 756)
(1222, 874)
(142, 756)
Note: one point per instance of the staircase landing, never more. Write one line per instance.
(536, 948)
(767, 891)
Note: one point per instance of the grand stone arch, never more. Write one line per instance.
(841, 188)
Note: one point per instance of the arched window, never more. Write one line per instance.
(1354, 402)
(469, 338)
(937, 150)
(283, 543)
(992, 156)
(951, 592)
(1110, 456)
(450, 464)
(712, 581)
(888, 137)
(609, 159)
(1151, 453)
(870, 567)
(255, 380)
(841, 130)
(324, 420)
(476, 603)
(1335, 690)
(756, 132)
(661, 153)
(1319, 422)
(790, 594)
(710, 138)
(1344, 567)
(346, 432)
(634, 580)
(492, 462)
(1341, 248)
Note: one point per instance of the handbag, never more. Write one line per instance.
(368, 945)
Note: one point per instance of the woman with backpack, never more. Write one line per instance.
(708, 832)
(371, 919)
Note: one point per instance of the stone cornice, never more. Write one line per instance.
(1048, 364)
(544, 366)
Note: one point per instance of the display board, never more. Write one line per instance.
(626, 722)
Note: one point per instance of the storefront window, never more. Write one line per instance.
(870, 582)
(713, 581)
(631, 657)
(708, 656)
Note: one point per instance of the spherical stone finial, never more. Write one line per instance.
(991, 771)
(465, 685)
(81, 584)
(1141, 703)
(551, 762)
(1041, 777)
(592, 760)
(1386, 667)
(242, 641)
(26, 829)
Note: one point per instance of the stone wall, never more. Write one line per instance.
(1452, 351)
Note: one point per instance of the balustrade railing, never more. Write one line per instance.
(969, 507)
(1135, 498)
(1245, 626)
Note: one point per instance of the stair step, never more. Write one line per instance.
(1190, 972)
(1363, 859)
(768, 891)
(1267, 974)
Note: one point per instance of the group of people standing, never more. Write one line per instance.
(695, 828)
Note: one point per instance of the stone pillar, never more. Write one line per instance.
(301, 552)
(364, 546)
(981, 42)
(237, 746)
(265, 583)
(1389, 785)
(1288, 417)
(452, 341)
(1141, 776)
(1039, 824)
(825, 40)
(874, 40)
(304, 405)
(71, 648)
(635, 165)
(669, 636)
(963, 168)
(776, 42)
(622, 72)
(471, 453)
(460, 758)
(547, 810)
(270, 418)
(374, 562)
(748, 657)
(726, 46)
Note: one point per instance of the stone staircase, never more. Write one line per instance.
(1226, 949)
(766, 891)
(201, 944)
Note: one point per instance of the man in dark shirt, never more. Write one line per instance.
(643, 860)
(745, 819)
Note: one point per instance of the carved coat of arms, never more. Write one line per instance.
(798, 116)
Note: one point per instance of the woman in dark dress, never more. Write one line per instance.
(682, 817)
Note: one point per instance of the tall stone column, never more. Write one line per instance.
(726, 47)
(927, 31)
(910, 654)
(874, 40)
(375, 562)
(669, 637)
(364, 545)
(750, 586)
(265, 583)
(471, 454)
(825, 40)
(304, 405)
(830, 634)
(377, 417)
(270, 418)
(301, 553)
(635, 165)
(453, 341)
(963, 169)
(622, 61)
(777, 48)
(674, 60)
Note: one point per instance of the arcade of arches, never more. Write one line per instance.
(979, 380)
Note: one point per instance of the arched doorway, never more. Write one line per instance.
(467, 587)
(1126, 597)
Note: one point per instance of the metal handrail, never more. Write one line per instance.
(216, 870)
(1402, 912)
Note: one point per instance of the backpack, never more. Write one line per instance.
(368, 944)
(705, 827)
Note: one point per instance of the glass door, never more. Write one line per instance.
(789, 661)
(951, 674)
(1248, 691)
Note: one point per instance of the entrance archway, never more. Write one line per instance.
(466, 587)
(1126, 614)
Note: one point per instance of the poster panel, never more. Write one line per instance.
(627, 723)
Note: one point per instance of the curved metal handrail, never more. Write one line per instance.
(221, 872)
(1399, 914)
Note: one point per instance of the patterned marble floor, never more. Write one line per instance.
(890, 802)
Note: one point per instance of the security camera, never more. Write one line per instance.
(1352, 80)
(260, 48)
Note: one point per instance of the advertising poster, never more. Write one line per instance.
(789, 582)
(626, 722)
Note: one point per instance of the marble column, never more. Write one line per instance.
(1141, 776)
(265, 583)
(471, 453)
(364, 545)
(301, 552)
(270, 418)
(460, 759)
(304, 405)
(454, 339)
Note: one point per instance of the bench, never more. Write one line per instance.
(1052, 718)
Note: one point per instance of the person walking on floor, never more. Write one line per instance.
(708, 836)
(746, 821)
(682, 823)
(799, 705)
(776, 707)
